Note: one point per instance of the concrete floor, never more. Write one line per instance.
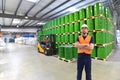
(23, 62)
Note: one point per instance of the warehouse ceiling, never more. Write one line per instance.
(23, 13)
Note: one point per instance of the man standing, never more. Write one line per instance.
(85, 44)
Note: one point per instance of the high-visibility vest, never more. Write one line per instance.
(84, 41)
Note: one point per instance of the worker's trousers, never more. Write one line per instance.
(84, 61)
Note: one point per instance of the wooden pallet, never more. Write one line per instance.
(65, 60)
(96, 58)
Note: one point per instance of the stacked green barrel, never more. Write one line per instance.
(61, 51)
(67, 28)
(67, 52)
(77, 24)
(104, 34)
(62, 28)
(94, 51)
(82, 13)
(99, 11)
(71, 19)
(89, 14)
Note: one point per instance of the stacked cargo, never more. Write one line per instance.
(67, 29)
(67, 52)
(104, 31)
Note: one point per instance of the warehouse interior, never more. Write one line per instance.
(24, 25)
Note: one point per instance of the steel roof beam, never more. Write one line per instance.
(16, 11)
(3, 6)
(40, 11)
(35, 23)
(43, 8)
(55, 8)
(17, 16)
(31, 7)
(65, 8)
(26, 14)
(7, 26)
(18, 7)
(25, 23)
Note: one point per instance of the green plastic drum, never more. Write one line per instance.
(66, 18)
(71, 38)
(100, 23)
(82, 13)
(82, 16)
(101, 52)
(52, 31)
(76, 36)
(39, 33)
(55, 29)
(68, 53)
(62, 38)
(59, 30)
(62, 29)
(81, 23)
(61, 51)
(90, 24)
(94, 53)
(75, 54)
(91, 34)
(76, 16)
(89, 11)
(98, 9)
(66, 38)
(71, 28)
(71, 17)
(59, 38)
(76, 27)
(100, 38)
(66, 28)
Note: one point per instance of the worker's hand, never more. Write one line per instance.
(86, 45)
(77, 44)
(89, 46)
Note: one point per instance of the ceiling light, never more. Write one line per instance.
(40, 23)
(34, 1)
(16, 21)
(72, 9)
(17, 26)
(26, 17)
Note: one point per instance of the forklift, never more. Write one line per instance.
(47, 47)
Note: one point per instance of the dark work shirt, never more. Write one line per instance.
(91, 41)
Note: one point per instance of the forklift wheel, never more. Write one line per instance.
(38, 51)
(45, 52)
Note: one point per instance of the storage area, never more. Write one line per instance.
(99, 21)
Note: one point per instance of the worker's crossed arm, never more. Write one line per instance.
(84, 46)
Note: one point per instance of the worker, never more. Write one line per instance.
(45, 42)
(85, 45)
(47, 39)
